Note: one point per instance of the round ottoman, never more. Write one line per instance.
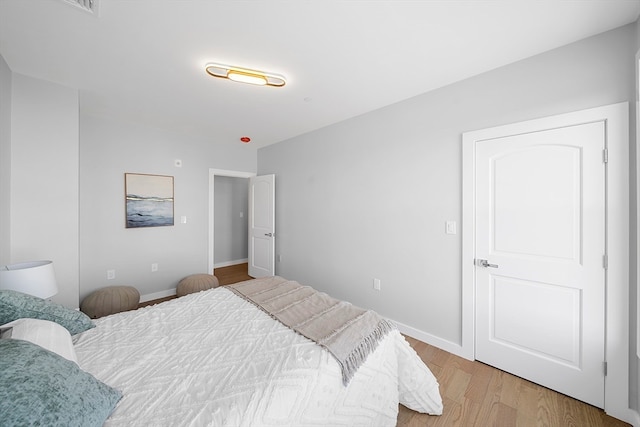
(110, 300)
(196, 283)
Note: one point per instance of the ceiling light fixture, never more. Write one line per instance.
(245, 75)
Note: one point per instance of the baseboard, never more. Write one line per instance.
(425, 337)
(630, 416)
(158, 295)
(228, 263)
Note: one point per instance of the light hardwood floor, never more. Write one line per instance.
(475, 394)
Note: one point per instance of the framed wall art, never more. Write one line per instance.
(149, 200)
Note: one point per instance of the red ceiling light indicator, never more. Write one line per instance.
(245, 139)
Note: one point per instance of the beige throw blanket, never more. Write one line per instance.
(349, 333)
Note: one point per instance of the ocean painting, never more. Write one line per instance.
(149, 200)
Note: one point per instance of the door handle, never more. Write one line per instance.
(268, 234)
(485, 263)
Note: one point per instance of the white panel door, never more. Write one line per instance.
(262, 226)
(540, 226)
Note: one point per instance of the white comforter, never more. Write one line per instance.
(213, 359)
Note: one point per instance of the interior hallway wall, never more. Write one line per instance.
(230, 219)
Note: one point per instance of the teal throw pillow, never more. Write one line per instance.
(16, 305)
(39, 387)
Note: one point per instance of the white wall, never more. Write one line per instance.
(368, 198)
(634, 236)
(108, 150)
(5, 162)
(231, 226)
(44, 179)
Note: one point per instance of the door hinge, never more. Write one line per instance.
(605, 155)
(605, 261)
(604, 367)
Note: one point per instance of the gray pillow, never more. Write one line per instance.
(16, 305)
(39, 387)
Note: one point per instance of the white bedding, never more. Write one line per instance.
(213, 359)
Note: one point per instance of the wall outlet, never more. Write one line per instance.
(376, 284)
(111, 274)
(154, 267)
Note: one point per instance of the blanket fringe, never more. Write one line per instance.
(360, 353)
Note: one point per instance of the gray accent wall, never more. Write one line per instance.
(231, 220)
(108, 150)
(369, 197)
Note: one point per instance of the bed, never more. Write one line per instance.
(214, 358)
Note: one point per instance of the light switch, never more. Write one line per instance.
(183, 219)
(451, 227)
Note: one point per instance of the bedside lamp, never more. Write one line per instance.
(35, 278)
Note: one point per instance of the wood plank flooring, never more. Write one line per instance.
(475, 394)
(232, 274)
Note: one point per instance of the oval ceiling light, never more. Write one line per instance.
(245, 75)
(253, 79)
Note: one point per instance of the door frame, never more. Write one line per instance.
(616, 117)
(212, 175)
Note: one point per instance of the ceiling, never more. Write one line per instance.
(143, 60)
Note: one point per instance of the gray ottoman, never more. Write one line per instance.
(196, 283)
(110, 300)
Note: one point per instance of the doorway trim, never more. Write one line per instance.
(616, 117)
(212, 175)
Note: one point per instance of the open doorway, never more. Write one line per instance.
(213, 173)
(231, 200)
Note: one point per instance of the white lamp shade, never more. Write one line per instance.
(35, 278)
